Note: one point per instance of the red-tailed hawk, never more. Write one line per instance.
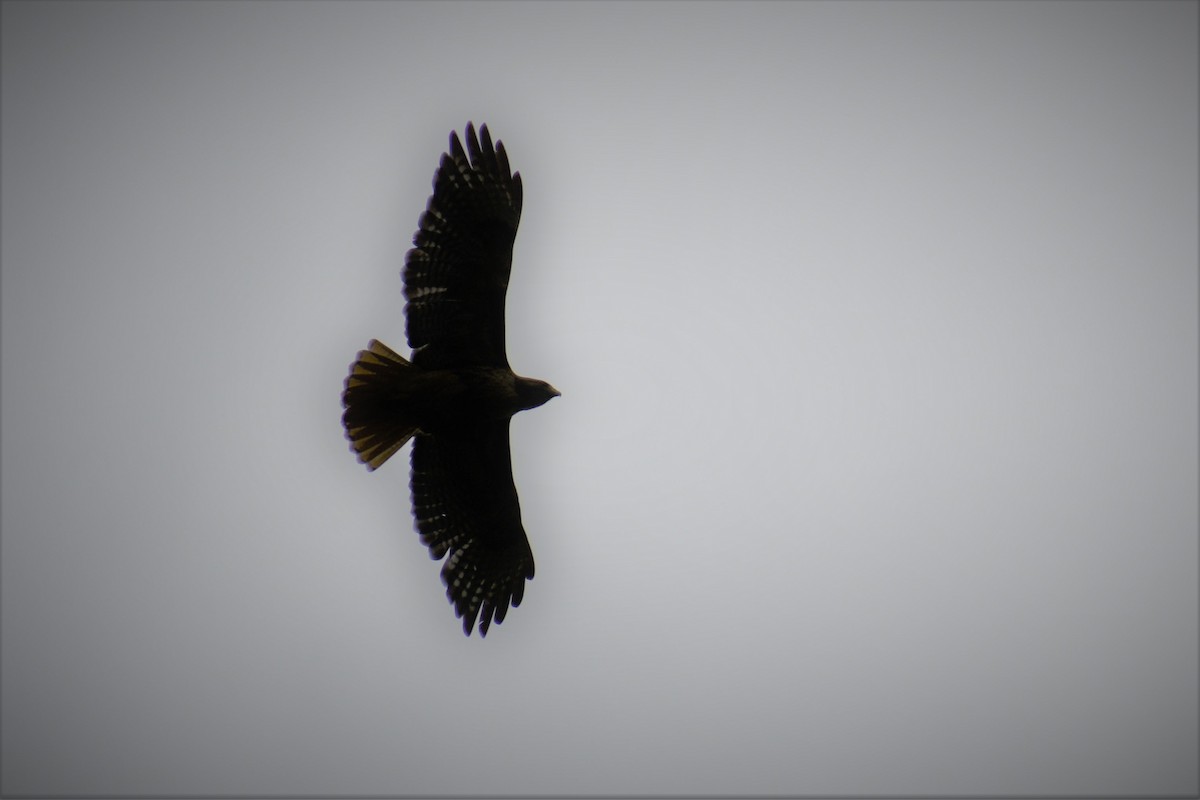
(456, 396)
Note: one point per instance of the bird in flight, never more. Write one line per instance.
(457, 394)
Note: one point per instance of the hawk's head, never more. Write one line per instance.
(532, 393)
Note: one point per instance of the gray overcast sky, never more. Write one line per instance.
(875, 468)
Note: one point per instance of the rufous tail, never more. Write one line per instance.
(374, 419)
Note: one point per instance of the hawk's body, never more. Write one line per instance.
(457, 395)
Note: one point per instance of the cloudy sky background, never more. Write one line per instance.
(875, 469)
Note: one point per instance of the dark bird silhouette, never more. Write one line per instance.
(456, 396)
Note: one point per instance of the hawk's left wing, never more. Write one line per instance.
(465, 504)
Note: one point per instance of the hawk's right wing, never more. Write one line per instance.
(465, 504)
(456, 275)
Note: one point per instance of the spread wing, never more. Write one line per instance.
(466, 506)
(456, 275)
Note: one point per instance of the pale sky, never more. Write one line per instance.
(875, 466)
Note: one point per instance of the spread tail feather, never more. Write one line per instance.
(374, 419)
